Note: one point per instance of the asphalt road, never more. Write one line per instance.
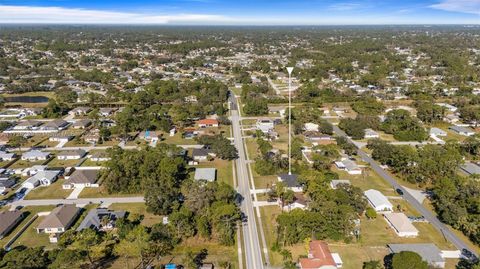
(253, 256)
(429, 216)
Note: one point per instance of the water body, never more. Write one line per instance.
(26, 99)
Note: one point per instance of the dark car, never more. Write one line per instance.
(399, 191)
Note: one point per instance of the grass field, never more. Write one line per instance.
(55, 162)
(224, 170)
(138, 209)
(54, 191)
(101, 192)
(24, 164)
(30, 237)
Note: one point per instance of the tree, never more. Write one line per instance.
(352, 127)
(371, 213)
(408, 260)
(24, 258)
(17, 141)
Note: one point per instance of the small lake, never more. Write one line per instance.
(26, 99)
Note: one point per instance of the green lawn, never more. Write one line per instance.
(54, 191)
(25, 164)
(55, 162)
(224, 170)
(101, 192)
(149, 219)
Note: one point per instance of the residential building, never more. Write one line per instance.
(207, 123)
(81, 124)
(312, 127)
(35, 155)
(6, 183)
(100, 156)
(27, 125)
(41, 178)
(349, 166)
(429, 252)
(437, 132)
(462, 130)
(400, 223)
(470, 168)
(101, 219)
(107, 111)
(370, 134)
(208, 174)
(81, 179)
(378, 201)
(202, 154)
(320, 257)
(60, 138)
(336, 182)
(299, 202)
(265, 125)
(71, 154)
(9, 220)
(79, 111)
(7, 156)
(55, 125)
(58, 221)
(291, 181)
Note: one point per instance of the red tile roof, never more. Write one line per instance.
(319, 256)
(208, 122)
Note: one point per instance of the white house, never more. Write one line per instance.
(42, 178)
(309, 126)
(437, 132)
(378, 201)
(71, 155)
(35, 155)
(349, 166)
(265, 125)
(7, 156)
(400, 223)
(462, 130)
(58, 221)
(370, 134)
(81, 179)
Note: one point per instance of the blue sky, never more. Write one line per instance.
(241, 12)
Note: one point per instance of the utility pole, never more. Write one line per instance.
(290, 69)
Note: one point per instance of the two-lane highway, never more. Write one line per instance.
(442, 228)
(253, 254)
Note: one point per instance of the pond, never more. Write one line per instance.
(26, 99)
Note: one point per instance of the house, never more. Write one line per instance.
(4, 139)
(470, 168)
(401, 224)
(81, 179)
(202, 154)
(452, 118)
(349, 166)
(9, 220)
(71, 154)
(320, 257)
(277, 110)
(312, 127)
(6, 183)
(60, 138)
(378, 201)
(100, 156)
(92, 137)
(208, 174)
(107, 111)
(448, 107)
(55, 125)
(291, 181)
(150, 136)
(190, 99)
(35, 155)
(370, 134)
(428, 251)
(7, 156)
(41, 178)
(334, 184)
(299, 202)
(462, 130)
(79, 111)
(58, 221)
(81, 124)
(437, 132)
(207, 266)
(207, 123)
(265, 125)
(27, 125)
(101, 219)
(319, 138)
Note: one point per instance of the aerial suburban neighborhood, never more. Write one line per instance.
(239, 147)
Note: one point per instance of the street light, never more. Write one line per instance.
(290, 69)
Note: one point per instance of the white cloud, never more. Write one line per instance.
(60, 15)
(463, 6)
(344, 6)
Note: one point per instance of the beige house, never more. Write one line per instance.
(58, 221)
